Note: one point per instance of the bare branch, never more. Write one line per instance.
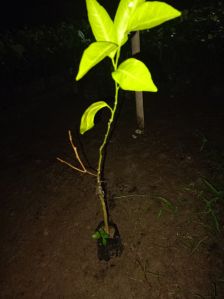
(83, 168)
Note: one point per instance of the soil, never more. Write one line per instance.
(155, 191)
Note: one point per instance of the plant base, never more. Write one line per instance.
(114, 246)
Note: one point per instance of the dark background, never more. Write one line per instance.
(19, 13)
(39, 39)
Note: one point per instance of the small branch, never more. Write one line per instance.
(83, 168)
(76, 168)
(75, 150)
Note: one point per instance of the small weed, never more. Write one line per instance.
(167, 205)
(219, 194)
(211, 204)
(102, 236)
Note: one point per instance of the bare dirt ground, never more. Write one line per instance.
(156, 194)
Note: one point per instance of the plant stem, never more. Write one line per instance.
(100, 190)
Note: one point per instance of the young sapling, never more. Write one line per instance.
(131, 74)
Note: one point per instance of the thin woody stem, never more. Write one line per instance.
(100, 190)
(83, 168)
(75, 150)
(76, 168)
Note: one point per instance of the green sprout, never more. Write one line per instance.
(102, 236)
(166, 205)
(131, 74)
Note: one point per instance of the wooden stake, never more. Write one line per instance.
(135, 45)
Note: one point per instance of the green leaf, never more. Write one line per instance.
(96, 52)
(100, 22)
(104, 241)
(133, 74)
(87, 120)
(125, 10)
(96, 235)
(150, 14)
(102, 236)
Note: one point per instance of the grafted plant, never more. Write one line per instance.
(131, 74)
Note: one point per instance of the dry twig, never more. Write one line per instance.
(82, 169)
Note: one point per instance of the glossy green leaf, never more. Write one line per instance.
(87, 120)
(125, 10)
(100, 22)
(150, 14)
(96, 52)
(133, 74)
